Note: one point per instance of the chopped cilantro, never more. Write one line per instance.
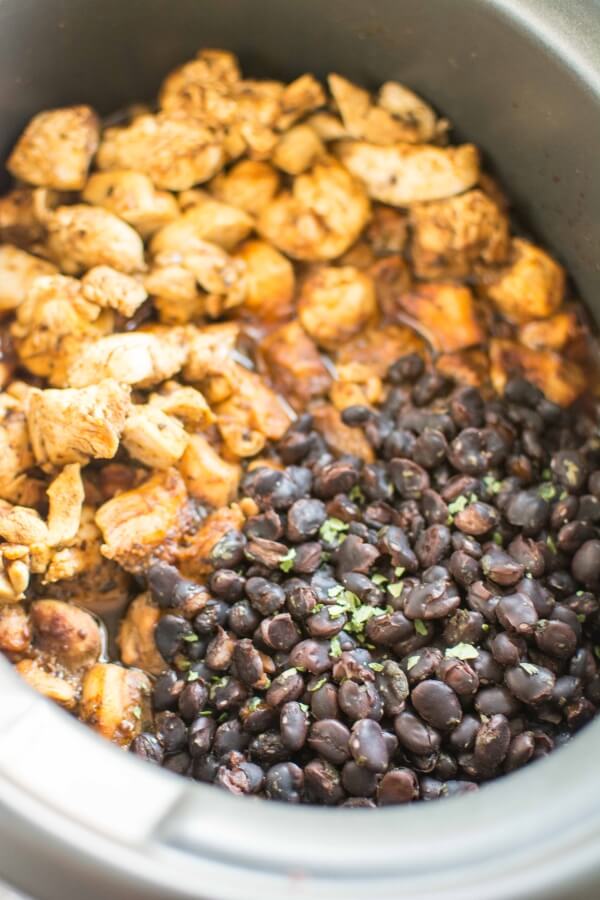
(550, 544)
(335, 647)
(303, 707)
(396, 589)
(331, 530)
(336, 610)
(529, 668)
(286, 562)
(399, 571)
(253, 703)
(485, 627)
(473, 498)
(222, 717)
(497, 538)
(379, 579)
(420, 627)
(318, 685)
(206, 712)
(193, 676)
(191, 638)
(184, 665)
(356, 495)
(411, 662)
(546, 474)
(137, 712)
(335, 591)
(462, 651)
(579, 593)
(377, 667)
(547, 491)
(458, 505)
(581, 617)
(287, 673)
(492, 484)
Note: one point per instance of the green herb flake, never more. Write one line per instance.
(458, 505)
(253, 703)
(581, 617)
(462, 651)
(563, 495)
(287, 673)
(336, 591)
(547, 491)
(497, 538)
(331, 530)
(473, 498)
(485, 627)
(305, 708)
(184, 665)
(379, 579)
(399, 571)
(222, 718)
(597, 651)
(396, 589)
(318, 685)
(571, 471)
(335, 648)
(191, 638)
(137, 712)
(336, 610)
(206, 712)
(356, 495)
(492, 484)
(551, 544)
(546, 474)
(529, 668)
(377, 667)
(192, 676)
(579, 593)
(420, 627)
(411, 662)
(286, 562)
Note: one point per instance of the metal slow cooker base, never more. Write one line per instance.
(80, 819)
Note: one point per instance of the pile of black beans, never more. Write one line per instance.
(396, 630)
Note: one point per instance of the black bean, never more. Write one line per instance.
(563, 511)
(430, 448)
(147, 747)
(358, 780)
(501, 568)
(170, 635)
(409, 478)
(570, 470)
(227, 584)
(304, 519)
(323, 701)
(337, 477)
(437, 704)
(330, 738)
(556, 638)
(288, 685)
(477, 518)
(168, 587)
(392, 685)
(367, 745)
(359, 701)
(507, 649)
(462, 737)
(322, 783)
(458, 675)
(398, 786)
(279, 632)
(192, 700)
(200, 736)
(415, 735)
(248, 663)
(167, 688)
(491, 744)
(178, 763)
(227, 693)
(170, 731)
(433, 545)
(394, 543)
(491, 701)
(528, 553)
(266, 525)
(540, 596)
(588, 508)
(256, 716)
(530, 683)
(529, 511)
(300, 599)
(243, 620)
(422, 664)
(406, 368)
(229, 736)
(389, 628)
(285, 782)
(586, 564)
(293, 725)
(432, 600)
(467, 408)
(520, 751)
(214, 613)
(266, 597)
(354, 555)
(464, 627)
(519, 390)
(463, 568)
(516, 612)
(311, 655)
(228, 552)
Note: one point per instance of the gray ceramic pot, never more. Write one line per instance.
(78, 818)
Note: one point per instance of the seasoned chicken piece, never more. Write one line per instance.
(320, 218)
(339, 437)
(387, 231)
(328, 127)
(81, 237)
(138, 358)
(450, 236)
(377, 347)
(65, 496)
(561, 380)
(185, 403)
(110, 289)
(196, 86)
(269, 282)
(299, 97)
(399, 114)
(359, 255)
(20, 222)
(136, 636)
(209, 350)
(297, 150)
(65, 634)
(253, 407)
(52, 322)
(53, 686)
(15, 569)
(15, 630)
(401, 174)
(445, 314)
(249, 184)
(174, 149)
(392, 278)
(18, 271)
(81, 574)
(16, 456)
(153, 437)
(196, 555)
(115, 702)
(208, 220)
(208, 477)
(552, 334)
(532, 286)
(466, 367)
(335, 304)
(295, 365)
(21, 525)
(355, 385)
(132, 197)
(177, 298)
(56, 148)
(76, 425)
(137, 523)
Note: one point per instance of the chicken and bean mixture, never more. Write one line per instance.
(286, 398)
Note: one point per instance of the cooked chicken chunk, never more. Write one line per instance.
(415, 117)
(531, 287)
(209, 349)
(21, 525)
(249, 184)
(132, 197)
(53, 686)
(209, 220)
(552, 334)
(136, 636)
(18, 271)
(185, 403)
(56, 148)
(176, 295)
(15, 630)
(52, 322)
(561, 380)
(138, 358)
(449, 236)
(387, 231)
(65, 634)
(76, 425)
(445, 313)
(20, 222)
(320, 218)
(196, 555)
(81, 237)
(301, 96)
(140, 522)
(196, 86)
(253, 407)
(65, 496)
(208, 477)
(297, 150)
(335, 304)
(402, 174)
(466, 367)
(153, 437)
(269, 281)
(341, 438)
(392, 278)
(295, 365)
(115, 702)
(328, 127)
(174, 149)
(111, 289)
(16, 456)
(376, 348)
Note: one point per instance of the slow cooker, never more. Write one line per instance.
(80, 818)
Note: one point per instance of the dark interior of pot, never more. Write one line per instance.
(500, 73)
